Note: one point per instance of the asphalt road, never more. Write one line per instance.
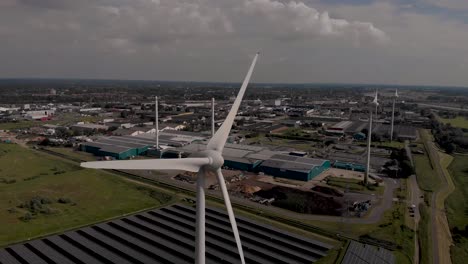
(416, 200)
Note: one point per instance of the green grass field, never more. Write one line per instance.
(457, 202)
(95, 195)
(457, 206)
(459, 121)
(426, 175)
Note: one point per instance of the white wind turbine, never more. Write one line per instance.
(210, 159)
(393, 115)
(369, 138)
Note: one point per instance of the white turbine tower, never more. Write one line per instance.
(156, 123)
(369, 138)
(212, 117)
(393, 114)
(210, 159)
(377, 105)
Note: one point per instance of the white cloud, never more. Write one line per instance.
(450, 4)
(213, 40)
(158, 21)
(298, 20)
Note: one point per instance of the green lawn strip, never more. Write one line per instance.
(425, 233)
(75, 154)
(457, 202)
(425, 174)
(459, 121)
(459, 251)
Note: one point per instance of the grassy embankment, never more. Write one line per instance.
(428, 182)
(459, 121)
(457, 208)
(88, 196)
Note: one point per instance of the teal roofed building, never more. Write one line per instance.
(293, 167)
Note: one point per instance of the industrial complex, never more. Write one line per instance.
(236, 156)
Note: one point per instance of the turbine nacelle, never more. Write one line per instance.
(215, 158)
(375, 102)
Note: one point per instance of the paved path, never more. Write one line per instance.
(416, 200)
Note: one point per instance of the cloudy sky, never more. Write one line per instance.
(337, 41)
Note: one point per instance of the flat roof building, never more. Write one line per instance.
(293, 167)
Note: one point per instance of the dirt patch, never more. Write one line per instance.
(302, 201)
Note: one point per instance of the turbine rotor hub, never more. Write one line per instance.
(216, 160)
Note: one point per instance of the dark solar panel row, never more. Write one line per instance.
(358, 253)
(167, 235)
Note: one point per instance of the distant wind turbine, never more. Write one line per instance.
(210, 159)
(393, 114)
(369, 138)
(377, 105)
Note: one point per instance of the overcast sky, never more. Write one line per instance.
(349, 41)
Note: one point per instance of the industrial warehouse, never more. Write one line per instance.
(124, 147)
(354, 128)
(167, 235)
(293, 167)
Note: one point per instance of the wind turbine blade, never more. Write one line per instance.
(187, 164)
(232, 218)
(219, 139)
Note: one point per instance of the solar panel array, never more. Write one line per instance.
(167, 235)
(358, 253)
